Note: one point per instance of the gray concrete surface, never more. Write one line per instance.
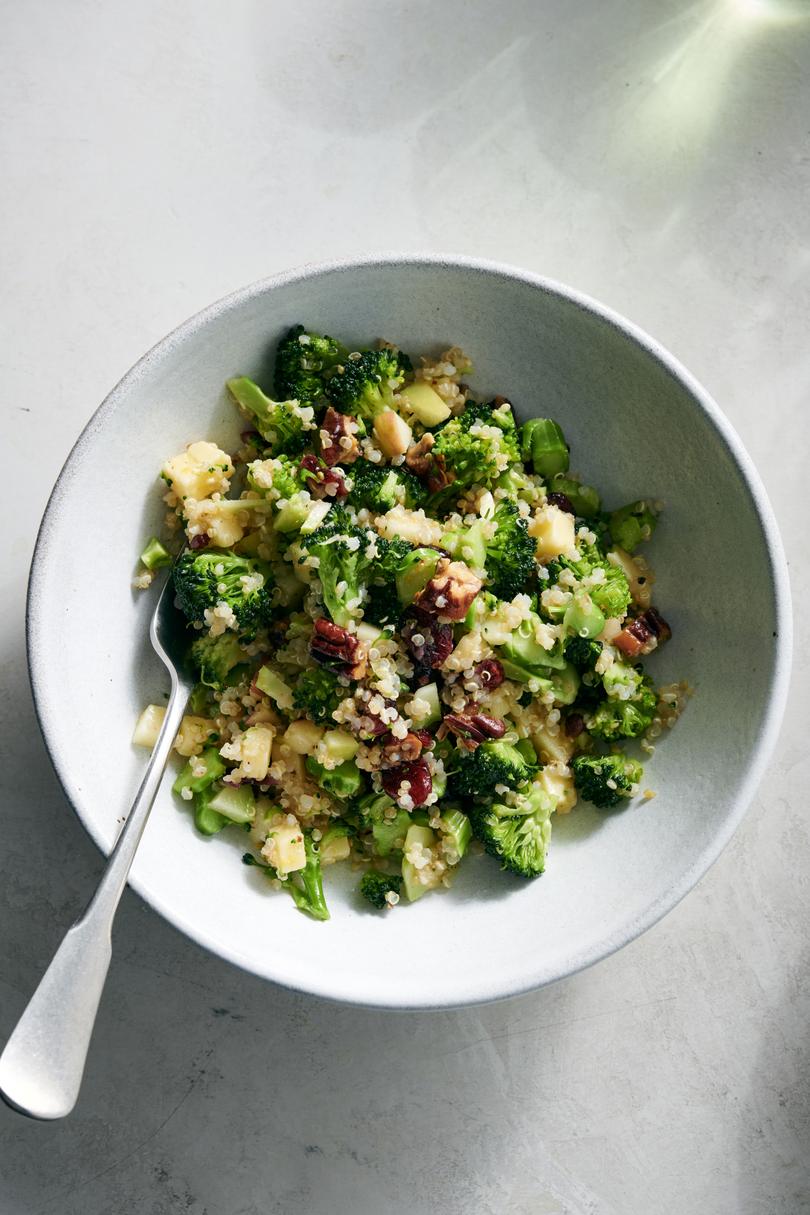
(156, 156)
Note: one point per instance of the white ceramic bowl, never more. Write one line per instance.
(638, 424)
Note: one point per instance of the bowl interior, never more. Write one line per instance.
(637, 427)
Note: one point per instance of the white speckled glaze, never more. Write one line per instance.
(638, 424)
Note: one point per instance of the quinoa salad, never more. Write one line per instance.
(418, 635)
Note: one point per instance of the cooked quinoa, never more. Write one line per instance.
(418, 634)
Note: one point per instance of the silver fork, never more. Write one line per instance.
(43, 1062)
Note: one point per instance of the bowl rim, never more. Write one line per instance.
(539, 975)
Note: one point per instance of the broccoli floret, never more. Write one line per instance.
(380, 488)
(318, 693)
(343, 567)
(582, 653)
(612, 594)
(375, 886)
(605, 780)
(210, 576)
(285, 425)
(517, 835)
(478, 445)
(398, 573)
(304, 885)
(615, 719)
(621, 716)
(365, 385)
(303, 362)
(479, 772)
(510, 552)
(632, 524)
(216, 657)
(285, 475)
(382, 607)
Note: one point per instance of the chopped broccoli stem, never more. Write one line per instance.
(582, 617)
(543, 442)
(345, 781)
(584, 498)
(214, 768)
(154, 555)
(306, 885)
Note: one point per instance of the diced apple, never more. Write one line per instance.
(284, 848)
(418, 880)
(553, 531)
(340, 745)
(199, 471)
(554, 748)
(147, 727)
(303, 737)
(193, 735)
(560, 786)
(426, 404)
(335, 849)
(256, 744)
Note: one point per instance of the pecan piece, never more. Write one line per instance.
(471, 729)
(338, 442)
(450, 591)
(642, 635)
(331, 643)
(401, 750)
(412, 781)
(655, 621)
(418, 458)
(427, 464)
(322, 481)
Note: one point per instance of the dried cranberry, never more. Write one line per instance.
(489, 674)
(574, 725)
(435, 642)
(320, 479)
(416, 773)
(201, 541)
(562, 501)
(656, 623)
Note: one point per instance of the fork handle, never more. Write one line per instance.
(43, 1062)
